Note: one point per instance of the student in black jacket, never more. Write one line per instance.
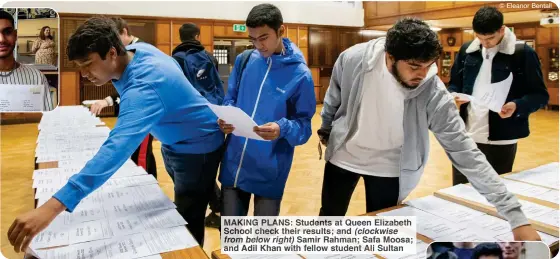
(490, 58)
(190, 39)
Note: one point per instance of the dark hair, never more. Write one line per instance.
(487, 20)
(188, 31)
(7, 16)
(412, 39)
(96, 35)
(42, 33)
(121, 25)
(265, 14)
(487, 249)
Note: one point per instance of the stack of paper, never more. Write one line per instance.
(546, 175)
(532, 210)
(129, 216)
(133, 246)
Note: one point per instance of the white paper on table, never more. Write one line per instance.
(524, 189)
(275, 256)
(546, 238)
(107, 228)
(494, 96)
(545, 175)
(427, 224)
(112, 183)
(463, 97)
(497, 225)
(550, 196)
(445, 209)
(533, 210)
(243, 124)
(470, 234)
(550, 218)
(19, 98)
(169, 239)
(319, 256)
(466, 192)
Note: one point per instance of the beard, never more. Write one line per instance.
(399, 79)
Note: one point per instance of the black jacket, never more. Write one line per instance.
(528, 90)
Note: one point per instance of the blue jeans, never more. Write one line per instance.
(235, 202)
(194, 176)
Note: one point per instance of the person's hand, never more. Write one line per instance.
(226, 128)
(525, 233)
(26, 226)
(459, 102)
(324, 141)
(269, 131)
(98, 106)
(507, 110)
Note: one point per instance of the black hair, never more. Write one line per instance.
(121, 25)
(412, 39)
(188, 31)
(265, 14)
(487, 249)
(7, 16)
(96, 35)
(487, 20)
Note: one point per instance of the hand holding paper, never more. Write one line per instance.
(268, 131)
(236, 120)
(507, 110)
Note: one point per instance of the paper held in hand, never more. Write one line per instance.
(242, 123)
(494, 96)
(21, 98)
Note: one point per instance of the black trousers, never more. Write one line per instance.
(339, 184)
(500, 157)
(216, 199)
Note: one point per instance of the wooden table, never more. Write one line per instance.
(190, 253)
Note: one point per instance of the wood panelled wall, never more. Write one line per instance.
(545, 38)
(163, 33)
(384, 13)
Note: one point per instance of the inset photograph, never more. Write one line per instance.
(488, 250)
(29, 54)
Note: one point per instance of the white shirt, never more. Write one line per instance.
(375, 146)
(477, 123)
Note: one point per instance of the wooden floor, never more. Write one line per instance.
(303, 190)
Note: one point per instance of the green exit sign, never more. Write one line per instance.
(239, 28)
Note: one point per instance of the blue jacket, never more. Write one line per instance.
(156, 98)
(287, 98)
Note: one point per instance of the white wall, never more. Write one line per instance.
(311, 12)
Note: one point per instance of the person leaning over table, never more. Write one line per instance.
(383, 99)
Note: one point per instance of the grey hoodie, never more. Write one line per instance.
(428, 107)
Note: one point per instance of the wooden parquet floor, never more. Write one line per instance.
(303, 192)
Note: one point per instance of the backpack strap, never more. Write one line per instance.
(245, 56)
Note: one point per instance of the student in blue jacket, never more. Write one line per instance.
(276, 90)
(156, 98)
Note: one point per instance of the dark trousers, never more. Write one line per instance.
(144, 156)
(500, 157)
(236, 203)
(216, 199)
(339, 184)
(194, 176)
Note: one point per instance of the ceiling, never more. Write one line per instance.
(466, 22)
